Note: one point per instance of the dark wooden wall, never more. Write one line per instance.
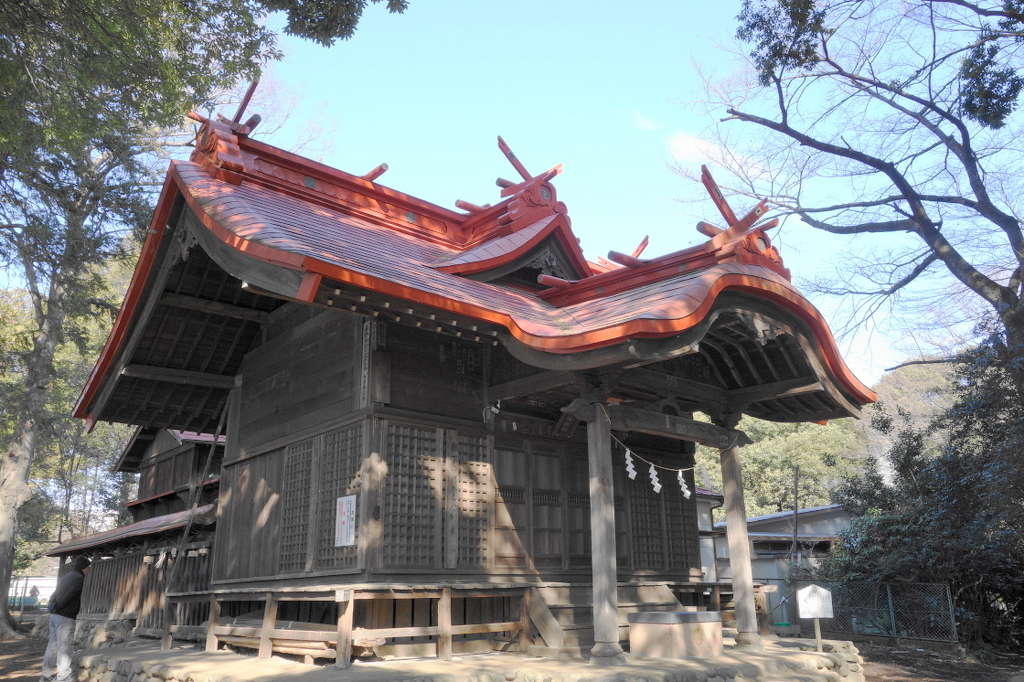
(130, 581)
(170, 467)
(302, 377)
(335, 404)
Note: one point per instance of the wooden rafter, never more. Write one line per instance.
(203, 305)
(182, 377)
(670, 386)
(535, 383)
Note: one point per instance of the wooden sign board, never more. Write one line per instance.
(345, 522)
(769, 588)
(814, 602)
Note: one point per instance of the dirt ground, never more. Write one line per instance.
(21, 660)
(899, 664)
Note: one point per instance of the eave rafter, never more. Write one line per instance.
(793, 385)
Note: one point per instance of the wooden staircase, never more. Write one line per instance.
(562, 616)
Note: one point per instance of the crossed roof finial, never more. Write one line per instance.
(737, 227)
(507, 186)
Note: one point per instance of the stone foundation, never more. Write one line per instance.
(100, 634)
(103, 669)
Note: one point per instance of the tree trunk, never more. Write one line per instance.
(1013, 323)
(14, 492)
(17, 462)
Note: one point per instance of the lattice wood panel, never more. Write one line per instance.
(298, 470)
(682, 544)
(339, 476)
(546, 498)
(476, 500)
(647, 525)
(577, 479)
(412, 497)
(511, 471)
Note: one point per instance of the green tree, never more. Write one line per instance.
(89, 87)
(905, 112)
(825, 454)
(951, 510)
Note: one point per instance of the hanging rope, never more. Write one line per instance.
(633, 454)
(652, 468)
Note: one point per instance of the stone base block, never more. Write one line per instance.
(675, 634)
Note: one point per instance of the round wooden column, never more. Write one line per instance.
(739, 543)
(607, 650)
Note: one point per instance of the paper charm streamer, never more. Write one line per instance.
(682, 484)
(655, 483)
(630, 469)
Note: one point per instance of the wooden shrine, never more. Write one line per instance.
(426, 410)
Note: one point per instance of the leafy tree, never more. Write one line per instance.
(89, 87)
(905, 111)
(827, 454)
(952, 513)
(824, 454)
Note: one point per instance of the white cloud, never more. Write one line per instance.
(692, 149)
(641, 122)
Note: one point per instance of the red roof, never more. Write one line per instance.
(324, 223)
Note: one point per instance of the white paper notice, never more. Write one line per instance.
(345, 522)
(814, 602)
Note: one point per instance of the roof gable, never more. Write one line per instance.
(270, 225)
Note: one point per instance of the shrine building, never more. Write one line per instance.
(370, 422)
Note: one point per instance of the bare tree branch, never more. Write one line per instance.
(923, 225)
(937, 361)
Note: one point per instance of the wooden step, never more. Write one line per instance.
(569, 609)
(580, 595)
(582, 616)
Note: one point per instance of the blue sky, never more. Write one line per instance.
(613, 91)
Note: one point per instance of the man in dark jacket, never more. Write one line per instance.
(64, 606)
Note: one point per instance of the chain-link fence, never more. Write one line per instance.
(911, 610)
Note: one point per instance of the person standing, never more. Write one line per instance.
(64, 606)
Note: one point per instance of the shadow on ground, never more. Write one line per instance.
(906, 664)
(21, 659)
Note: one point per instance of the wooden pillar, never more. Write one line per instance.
(607, 650)
(269, 622)
(739, 543)
(167, 640)
(524, 621)
(346, 610)
(212, 641)
(444, 624)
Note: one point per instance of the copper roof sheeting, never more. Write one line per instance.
(324, 227)
(158, 524)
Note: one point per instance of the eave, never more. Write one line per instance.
(285, 248)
